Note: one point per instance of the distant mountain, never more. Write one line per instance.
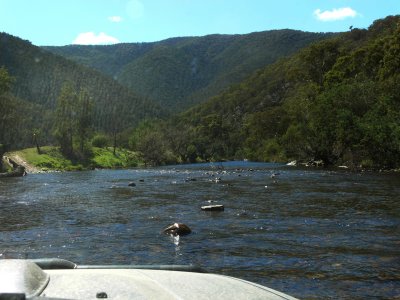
(39, 76)
(180, 72)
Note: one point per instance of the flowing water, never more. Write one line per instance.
(314, 234)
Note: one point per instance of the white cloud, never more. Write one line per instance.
(90, 38)
(335, 14)
(115, 19)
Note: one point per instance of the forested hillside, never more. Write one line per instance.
(180, 72)
(337, 101)
(38, 77)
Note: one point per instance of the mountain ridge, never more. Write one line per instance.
(182, 71)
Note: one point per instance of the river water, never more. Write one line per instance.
(311, 233)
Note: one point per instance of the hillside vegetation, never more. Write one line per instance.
(37, 79)
(180, 72)
(46, 99)
(337, 101)
(51, 159)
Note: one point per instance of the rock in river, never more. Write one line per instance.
(217, 207)
(177, 229)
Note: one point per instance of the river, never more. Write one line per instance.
(311, 233)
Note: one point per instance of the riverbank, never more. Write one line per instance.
(51, 160)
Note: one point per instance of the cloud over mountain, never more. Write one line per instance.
(335, 14)
(90, 38)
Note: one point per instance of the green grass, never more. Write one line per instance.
(52, 159)
(105, 158)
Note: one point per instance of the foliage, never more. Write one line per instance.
(151, 144)
(169, 71)
(9, 116)
(83, 116)
(5, 80)
(100, 141)
(52, 159)
(73, 120)
(336, 101)
(105, 158)
(40, 76)
(65, 119)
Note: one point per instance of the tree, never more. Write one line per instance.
(152, 147)
(36, 133)
(381, 126)
(5, 80)
(65, 114)
(73, 118)
(319, 59)
(9, 117)
(391, 58)
(83, 117)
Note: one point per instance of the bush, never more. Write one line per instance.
(100, 141)
(272, 151)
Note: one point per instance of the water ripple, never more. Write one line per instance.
(315, 234)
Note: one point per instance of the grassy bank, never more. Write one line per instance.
(51, 159)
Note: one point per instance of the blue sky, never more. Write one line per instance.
(63, 22)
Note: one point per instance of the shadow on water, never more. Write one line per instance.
(314, 234)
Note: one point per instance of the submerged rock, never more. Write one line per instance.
(177, 229)
(190, 179)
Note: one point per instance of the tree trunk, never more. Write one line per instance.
(36, 143)
(115, 142)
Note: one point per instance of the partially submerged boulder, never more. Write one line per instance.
(177, 229)
(17, 172)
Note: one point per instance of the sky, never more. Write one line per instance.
(64, 22)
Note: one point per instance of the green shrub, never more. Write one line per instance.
(100, 141)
